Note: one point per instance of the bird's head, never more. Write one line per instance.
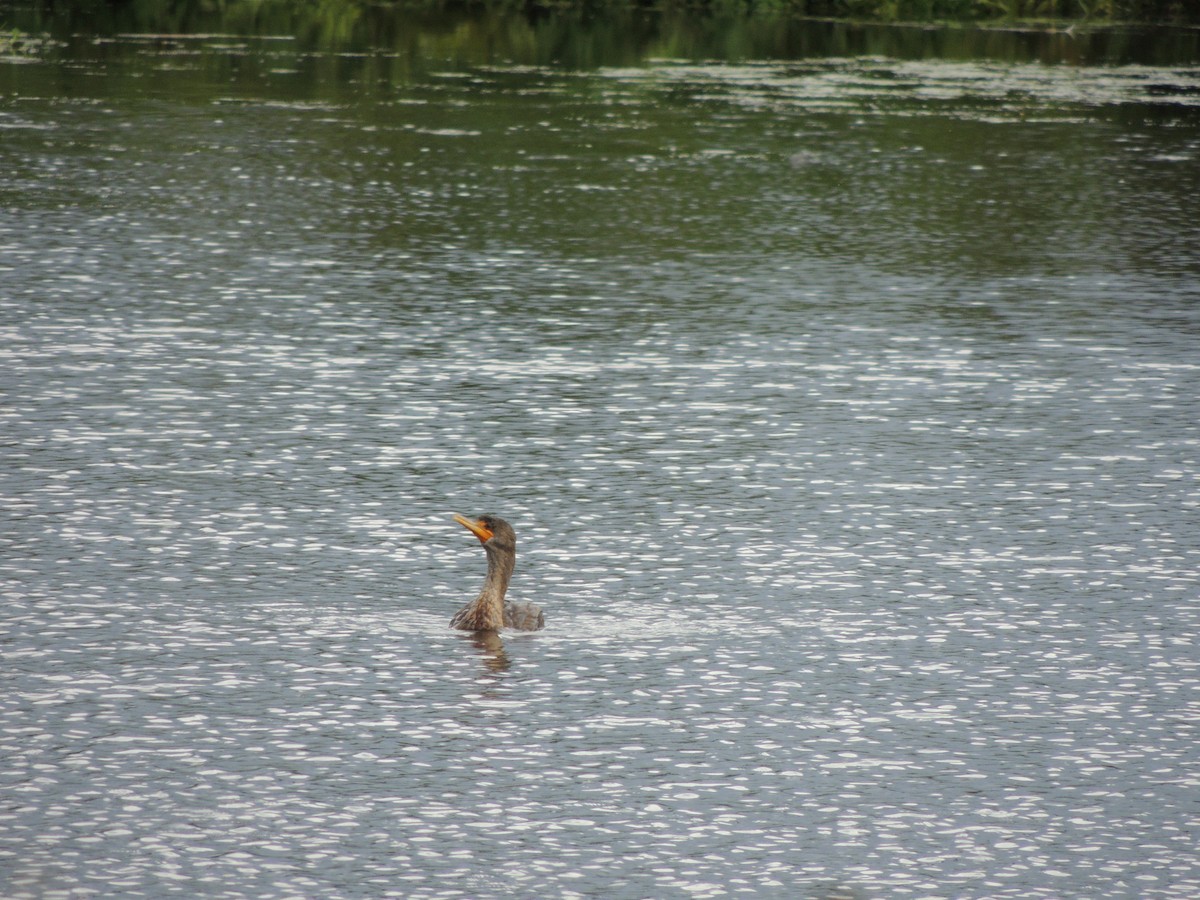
(492, 531)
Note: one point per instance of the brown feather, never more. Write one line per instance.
(490, 611)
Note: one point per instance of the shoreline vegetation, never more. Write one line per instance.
(587, 33)
(1026, 13)
(902, 12)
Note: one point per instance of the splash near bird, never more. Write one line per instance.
(490, 611)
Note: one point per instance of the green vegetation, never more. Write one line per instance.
(404, 35)
(381, 46)
(1141, 11)
(963, 11)
(19, 44)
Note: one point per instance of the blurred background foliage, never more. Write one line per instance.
(590, 33)
(176, 15)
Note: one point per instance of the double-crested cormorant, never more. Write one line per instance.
(490, 611)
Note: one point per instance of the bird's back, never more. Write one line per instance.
(524, 617)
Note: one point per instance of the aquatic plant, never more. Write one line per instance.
(18, 44)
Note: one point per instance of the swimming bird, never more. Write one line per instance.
(490, 611)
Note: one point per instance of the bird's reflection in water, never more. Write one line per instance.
(491, 648)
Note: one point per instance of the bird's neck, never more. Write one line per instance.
(488, 608)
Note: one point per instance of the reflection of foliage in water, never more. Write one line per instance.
(406, 37)
(496, 25)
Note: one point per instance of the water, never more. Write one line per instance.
(846, 410)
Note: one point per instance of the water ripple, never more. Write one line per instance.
(865, 531)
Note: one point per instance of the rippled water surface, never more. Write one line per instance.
(846, 410)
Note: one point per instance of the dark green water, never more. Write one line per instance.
(844, 402)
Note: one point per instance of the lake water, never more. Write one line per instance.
(847, 409)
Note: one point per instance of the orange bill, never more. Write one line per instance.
(476, 528)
